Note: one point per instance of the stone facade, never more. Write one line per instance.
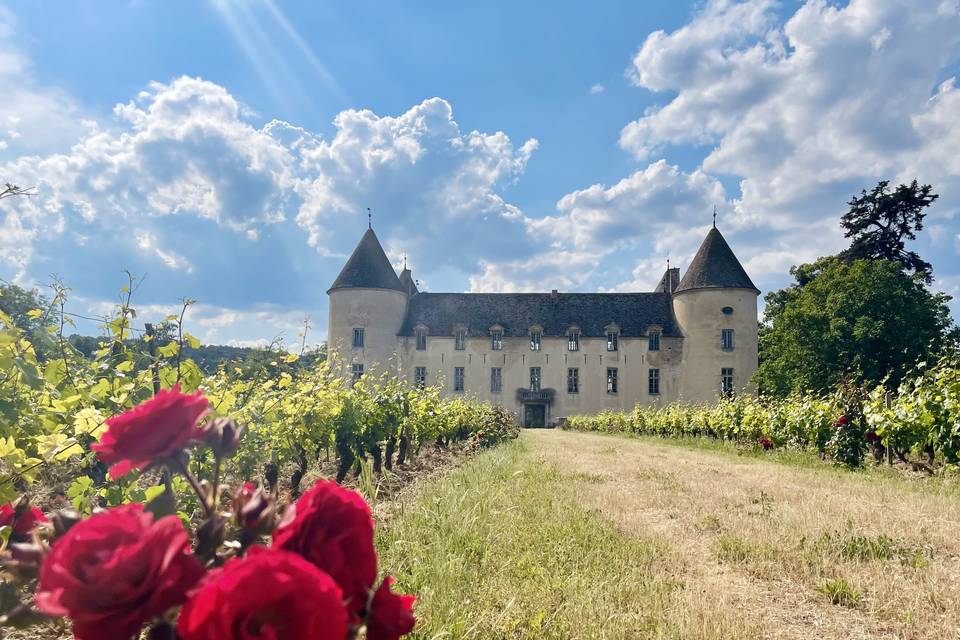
(551, 355)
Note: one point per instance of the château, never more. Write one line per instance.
(550, 355)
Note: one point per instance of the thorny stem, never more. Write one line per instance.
(184, 470)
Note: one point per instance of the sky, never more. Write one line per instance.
(227, 151)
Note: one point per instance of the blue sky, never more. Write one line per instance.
(228, 150)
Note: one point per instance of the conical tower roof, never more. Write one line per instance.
(715, 267)
(368, 267)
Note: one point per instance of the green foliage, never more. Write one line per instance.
(840, 592)
(879, 222)
(922, 416)
(293, 406)
(864, 319)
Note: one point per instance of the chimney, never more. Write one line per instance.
(553, 293)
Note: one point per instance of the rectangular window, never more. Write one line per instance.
(535, 339)
(611, 380)
(534, 378)
(726, 381)
(496, 380)
(458, 379)
(653, 341)
(358, 337)
(726, 339)
(460, 340)
(420, 377)
(573, 380)
(357, 371)
(496, 340)
(613, 339)
(421, 340)
(653, 382)
(573, 341)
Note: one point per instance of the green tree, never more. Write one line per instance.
(880, 221)
(861, 319)
(28, 308)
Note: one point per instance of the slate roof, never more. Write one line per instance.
(517, 312)
(715, 266)
(368, 267)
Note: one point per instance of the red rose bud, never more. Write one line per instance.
(332, 527)
(254, 510)
(266, 594)
(223, 436)
(391, 614)
(116, 570)
(872, 436)
(841, 422)
(154, 431)
(22, 518)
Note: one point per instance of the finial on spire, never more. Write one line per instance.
(404, 259)
(714, 216)
(369, 219)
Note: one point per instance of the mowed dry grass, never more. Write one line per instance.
(754, 542)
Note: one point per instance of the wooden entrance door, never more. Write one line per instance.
(534, 415)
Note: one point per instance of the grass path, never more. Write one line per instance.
(573, 535)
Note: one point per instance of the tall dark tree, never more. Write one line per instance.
(880, 221)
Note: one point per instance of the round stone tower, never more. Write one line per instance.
(715, 305)
(367, 304)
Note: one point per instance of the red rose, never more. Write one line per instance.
(332, 527)
(23, 523)
(765, 442)
(841, 422)
(268, 594)
(391, 615)
(115, 570)
(156, 429)
(872, 436)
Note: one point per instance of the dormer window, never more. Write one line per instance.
(421, 333)
(496, 338)
(613, 338)
(460, 339)
(536, 338)
(653, 341)
(573, 339)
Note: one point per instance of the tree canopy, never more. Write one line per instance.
(863, 320)
(864, 314)
(880, 221)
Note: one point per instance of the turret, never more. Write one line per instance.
(715, 304)
(367, 304)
